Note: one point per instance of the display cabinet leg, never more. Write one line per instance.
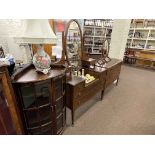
(102, 94)
(72, 117)
(117, 81)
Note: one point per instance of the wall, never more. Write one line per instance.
(119, 38)
(12, 27)
(8, 29)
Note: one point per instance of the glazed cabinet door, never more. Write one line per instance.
(59, 103)
(36, 109)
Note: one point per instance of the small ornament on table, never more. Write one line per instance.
(79, 73)
(82, 72)
(75, 73)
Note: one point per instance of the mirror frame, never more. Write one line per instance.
(107, 52)
(104, 56)
(65, 39)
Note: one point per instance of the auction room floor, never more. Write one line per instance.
(128, 108)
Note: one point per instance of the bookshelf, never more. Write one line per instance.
(141, 43)
(95, 32)
(142, 34)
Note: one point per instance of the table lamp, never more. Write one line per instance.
(39, 32)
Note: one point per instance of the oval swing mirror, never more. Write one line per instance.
(73, 44)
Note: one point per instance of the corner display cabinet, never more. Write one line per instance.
(41, 99)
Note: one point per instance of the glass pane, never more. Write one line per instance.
(74, 45)
(45, 115)
(44, 130)
(47, 130)
(59, 123)
(59, 107)
(58, 88)
(58, 82)
(32, 118)
(64, 117)
(36, 131)
(28, 96)
(42, 93)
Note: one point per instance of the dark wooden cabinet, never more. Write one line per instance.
(78, 92)
(113, 71)
(41, 99)
(9, 118)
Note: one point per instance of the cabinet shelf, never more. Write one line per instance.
(96, 35)
(97, 27)
(95, 53)
(144, 39)
(99, 36)
(137, 48)
(88, 45)
(145, 33)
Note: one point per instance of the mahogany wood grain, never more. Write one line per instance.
(12, 112)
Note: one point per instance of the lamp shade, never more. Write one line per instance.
(36, 31)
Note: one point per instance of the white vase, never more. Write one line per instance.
(41, 60)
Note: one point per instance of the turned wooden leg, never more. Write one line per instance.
(102, 94)
(72, 117)
(117, 81)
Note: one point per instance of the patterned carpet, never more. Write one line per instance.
(127, 109)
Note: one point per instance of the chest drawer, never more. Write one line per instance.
(86, 93)
(78, 89)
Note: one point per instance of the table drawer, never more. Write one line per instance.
(86, 94)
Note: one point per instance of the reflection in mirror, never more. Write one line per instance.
(105, 47)
(105, 50)
(56, 54)
(101, 62)
(73, 45)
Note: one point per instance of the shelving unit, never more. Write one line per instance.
(141, 43)
(95, 32)
(142, 36)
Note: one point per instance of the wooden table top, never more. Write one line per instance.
(113, 62)
(76, 80)
(31, 75)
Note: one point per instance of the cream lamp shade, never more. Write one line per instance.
(36, 31)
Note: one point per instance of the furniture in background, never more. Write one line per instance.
(140, 58)
(113, 71)
(10, 122)
(78, 90)
(19, 62)
(129, 56)
(95, 32)
(41, 99)
(141, 43)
